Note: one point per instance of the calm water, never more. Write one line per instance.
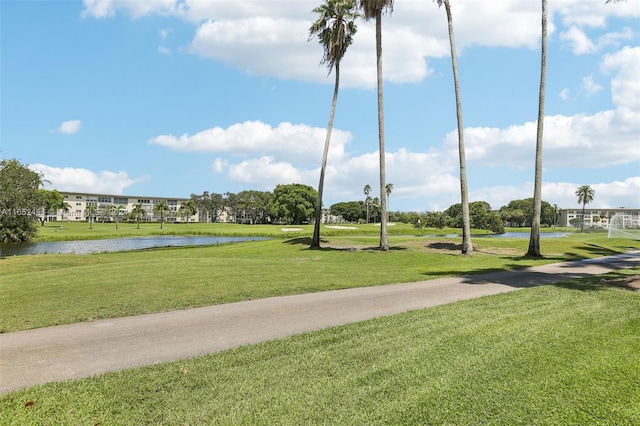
(115, 244)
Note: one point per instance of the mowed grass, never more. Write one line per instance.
(44, 290)
(565, 354)
(55, 231)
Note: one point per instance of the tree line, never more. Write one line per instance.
(23, 203)
(289, 203)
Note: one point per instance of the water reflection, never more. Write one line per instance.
(115, 244)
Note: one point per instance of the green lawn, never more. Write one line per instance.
(80, 230)
(552, 355)
(44, 290)
(53, 231)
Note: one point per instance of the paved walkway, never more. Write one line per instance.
(59, 353)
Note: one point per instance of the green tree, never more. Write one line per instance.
(210, 205)
(20, 204)
(513, 216)
(64, 208)
(114, 212)
(467, 245)
(480, 214)
(294, 203)
(161, 208)
(334, 29)
(387, 189)
(50, 201)
(90, 212)
(554, 215)
(534, 240)
(255, 205)
(585, 195)
(373, 9)
(186, 210)
(367, 198)
(374, 205)
(435, 220)
(351, 211)
(137, 212)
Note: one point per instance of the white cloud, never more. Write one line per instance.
(578, 41)
(564, 94)
(266, 173)
(84, 180)
(590, 86)
(164, 50)
(581, 44)
(600, 140)
(608, 194)
(164, 33)
(625, 84)
(593, 14)
(135, 8)
(69, 127)
(614, 39)
(269, 37)
(290, 142)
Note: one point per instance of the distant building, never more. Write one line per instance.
(79, 202)
(599, 218)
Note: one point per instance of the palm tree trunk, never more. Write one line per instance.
(315, 242)
(384, 243)
(534, 241)
(467, 246)
(582, 221)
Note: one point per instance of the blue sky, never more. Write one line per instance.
(174, 97)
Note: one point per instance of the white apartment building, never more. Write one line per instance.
(599, 218)
(78, 203)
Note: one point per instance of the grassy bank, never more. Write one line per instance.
(80, 231)
(565, 354)
(54, 231)
(44, 290)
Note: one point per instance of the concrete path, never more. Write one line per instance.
(32, 357)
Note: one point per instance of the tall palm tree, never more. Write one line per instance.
(534, 240)
(188, 209)
(334, 29)
(467, 246)
(65, 209)
(367, 191)
(161, 208)
(387, 189)
(373, 9)
(137, 212)
(90, 212)
(115, 211)
(585, 195)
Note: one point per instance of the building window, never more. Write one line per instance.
(120, 200)
(104, 200)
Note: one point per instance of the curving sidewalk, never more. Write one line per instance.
(33, 357)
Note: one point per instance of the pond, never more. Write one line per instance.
(115, 244)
